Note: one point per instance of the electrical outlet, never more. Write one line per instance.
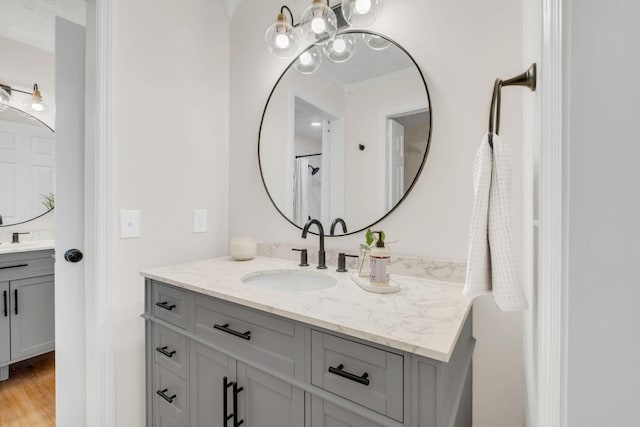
(129, 224)
(199, 220)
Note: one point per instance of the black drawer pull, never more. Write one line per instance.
(14, 266)
(236, 391)
(225, 401)
(4, 295)
(165, 305)
(15, 298)
(225, 328)
(164, 351)
(363, 379)
(162, 394)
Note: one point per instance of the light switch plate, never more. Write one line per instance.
(199, 220)
(129, 224)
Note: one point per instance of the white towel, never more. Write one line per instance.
(491, 266)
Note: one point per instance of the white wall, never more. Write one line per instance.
(462, 46)
(170, 155)
(604, 200)
(22, 66)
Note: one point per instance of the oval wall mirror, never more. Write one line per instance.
(27, 166)
(345, 132)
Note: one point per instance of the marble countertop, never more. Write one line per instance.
(424, 318)
(28, 246)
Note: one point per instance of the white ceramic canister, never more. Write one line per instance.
(242, 248)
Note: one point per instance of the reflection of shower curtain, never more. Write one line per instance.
(300, 192)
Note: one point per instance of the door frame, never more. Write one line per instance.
(100, 349)
(550, 257)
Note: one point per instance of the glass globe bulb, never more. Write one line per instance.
(318, 23)
(281, 38)
(309, 61)
(361, 13)
(376, 42)
(341, 48)
(362, 6)
(339, 45)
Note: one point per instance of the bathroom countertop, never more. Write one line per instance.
(424, 318)
(28, 246)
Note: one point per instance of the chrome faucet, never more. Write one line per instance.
(321, 254)
(336, 222)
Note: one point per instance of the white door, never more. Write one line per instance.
(69, 276)
(396, 163)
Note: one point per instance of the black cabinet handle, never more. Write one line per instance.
(236, 391)
(227, 329)
(225, 401)
(4, 295)
(165, 305)
(14, 266)
(162, 394)
(164, 351)
(15, 297)
(363, 379)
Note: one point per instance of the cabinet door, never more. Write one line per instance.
(207, 370)
(325, 414)
(266, 401)
(5, 332)
(32, 316)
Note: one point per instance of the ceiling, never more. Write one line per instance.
(32, 22)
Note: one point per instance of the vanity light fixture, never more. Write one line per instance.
(281, 37)
(341, 48)
(361, 13)
(318, 22)
(33, 103)
(309, 61)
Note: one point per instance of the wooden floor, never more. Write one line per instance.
(27, 398)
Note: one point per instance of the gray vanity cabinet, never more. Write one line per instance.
(213, 363)
(32, 319)
(5, 324)
(27, 313)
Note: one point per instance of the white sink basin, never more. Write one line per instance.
(289, 280)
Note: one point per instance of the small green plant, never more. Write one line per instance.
(48, 201)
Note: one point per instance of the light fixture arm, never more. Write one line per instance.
(282, 9)
(10, 89)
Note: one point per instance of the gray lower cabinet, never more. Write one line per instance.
(27, 307)
(212, 363)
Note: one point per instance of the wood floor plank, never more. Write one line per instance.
(27, 398)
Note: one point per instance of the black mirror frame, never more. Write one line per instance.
(424, 158)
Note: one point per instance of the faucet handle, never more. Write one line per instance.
(342, 262)
(15, 237)
(303, 257)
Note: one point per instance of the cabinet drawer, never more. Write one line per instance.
(170, 350)
(22, 265)
(170, 304)
(174, 389)
(366, 375)
(266, 339)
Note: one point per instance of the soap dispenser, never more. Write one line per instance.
(380, 262)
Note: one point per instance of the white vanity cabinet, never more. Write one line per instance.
(26, 306)
(216, 363)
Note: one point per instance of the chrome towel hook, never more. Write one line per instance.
(528, 79)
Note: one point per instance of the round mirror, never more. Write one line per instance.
(27, 167)
(345, 133)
